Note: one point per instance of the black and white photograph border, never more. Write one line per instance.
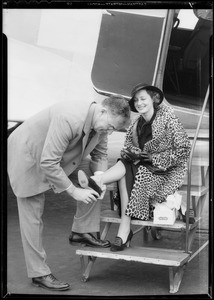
(54, 50)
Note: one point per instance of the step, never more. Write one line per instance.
(200, 161)
(148, 255)
(111, 216)
(201, 153)
(196, 190)
(203, 133)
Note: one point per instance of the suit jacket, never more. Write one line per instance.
(49, 146)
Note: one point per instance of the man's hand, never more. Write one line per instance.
(84, 195)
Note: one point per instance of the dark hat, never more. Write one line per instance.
(144, 86)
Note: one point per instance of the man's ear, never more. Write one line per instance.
(103, 110)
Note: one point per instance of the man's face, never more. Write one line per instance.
(107, 123)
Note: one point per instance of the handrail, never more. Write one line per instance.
(190, 167)
(158, 79)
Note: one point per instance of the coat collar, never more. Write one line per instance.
(89, 119)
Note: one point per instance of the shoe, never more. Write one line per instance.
(50, 282)
(191, 216)
(118, 243)
(88, 182)
(88, 239)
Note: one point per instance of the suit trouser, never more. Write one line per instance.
(87, 219)
(31, 226)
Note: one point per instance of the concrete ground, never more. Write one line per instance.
(108, 277)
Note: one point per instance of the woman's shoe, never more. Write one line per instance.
(118, 243)
(191, 216)
(87, 182)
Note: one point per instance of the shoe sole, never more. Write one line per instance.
(118, 249)
(51, 289)
(89, 183)
(89, 245)
(76, 243)
(83, 180)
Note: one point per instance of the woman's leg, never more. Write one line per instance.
(115, 173)
(124, 228)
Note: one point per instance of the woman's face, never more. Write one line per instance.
(143, 102)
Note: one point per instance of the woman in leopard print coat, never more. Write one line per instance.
(169, 148)
(153, 160)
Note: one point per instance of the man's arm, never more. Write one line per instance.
(59, 135)
(57, 140)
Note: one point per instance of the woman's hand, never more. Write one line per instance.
(130, 156)
(158, 197)
(146, 156)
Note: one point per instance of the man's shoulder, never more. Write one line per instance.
(71, 107)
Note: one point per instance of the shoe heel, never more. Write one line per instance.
(129, 238)
(35, 284)
(128, 244)
(82, 244)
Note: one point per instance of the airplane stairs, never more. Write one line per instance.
(175, 260)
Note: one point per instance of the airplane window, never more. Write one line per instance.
(127, 52)
(187, 19)
(187, 73)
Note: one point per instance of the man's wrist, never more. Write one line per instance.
(71, 188)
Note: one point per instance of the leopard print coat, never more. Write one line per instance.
(170, 148)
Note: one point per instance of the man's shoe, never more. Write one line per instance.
(50, 282)
(87, 182)
(88, 239)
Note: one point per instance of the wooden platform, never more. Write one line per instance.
(112, 216)
(175, 260)
(156, 256)
(196, 190)
(203, 133)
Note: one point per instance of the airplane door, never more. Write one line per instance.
(128, 50)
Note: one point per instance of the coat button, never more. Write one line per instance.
(74, 163)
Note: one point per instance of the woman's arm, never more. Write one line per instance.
(129, 151)
(177, 146)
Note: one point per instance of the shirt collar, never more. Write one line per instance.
(151, 120)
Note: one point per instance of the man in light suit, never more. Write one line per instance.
(42, 153)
